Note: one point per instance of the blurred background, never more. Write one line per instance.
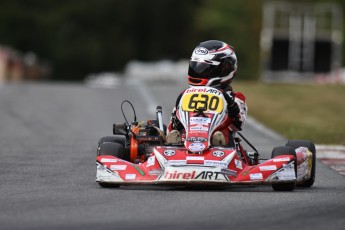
(71, 40)
(113, 43)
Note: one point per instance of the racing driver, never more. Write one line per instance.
(213, 64)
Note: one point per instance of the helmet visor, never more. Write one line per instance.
(202, 70)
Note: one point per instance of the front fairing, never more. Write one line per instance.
(175, 165)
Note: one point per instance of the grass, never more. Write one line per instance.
(312, 112)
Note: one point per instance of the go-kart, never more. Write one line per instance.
(138, 153)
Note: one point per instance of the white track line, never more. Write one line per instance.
(263, 129)
(148, 97)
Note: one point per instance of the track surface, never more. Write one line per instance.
(48, 137)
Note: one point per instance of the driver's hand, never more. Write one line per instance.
(233, 109)
(176, 124)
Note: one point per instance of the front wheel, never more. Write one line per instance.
(284, 150)
(311, 147)
(108, 185)
(112, 149)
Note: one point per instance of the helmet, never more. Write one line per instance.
(213, 63)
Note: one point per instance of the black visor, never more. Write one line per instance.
(203, 70)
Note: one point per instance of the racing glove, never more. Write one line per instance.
(233, 109)
(176, 124)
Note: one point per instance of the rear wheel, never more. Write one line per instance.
(112, 149)
(299, 143)
(116, 139)
(284, 150)
(113, 139)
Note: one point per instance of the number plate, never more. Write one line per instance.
(206, 101)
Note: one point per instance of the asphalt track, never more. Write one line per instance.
(48, 137)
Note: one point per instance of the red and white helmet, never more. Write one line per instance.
(213, 63)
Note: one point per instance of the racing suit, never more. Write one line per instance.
(237, 110)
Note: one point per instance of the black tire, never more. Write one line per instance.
(114, 139)
(310, 145)
(111, 139)
(108, 185)
(112, 149)
(284, 150)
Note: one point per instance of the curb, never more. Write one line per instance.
(330, 151)
(333, 156)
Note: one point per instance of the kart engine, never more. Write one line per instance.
(148, 137)
(142, 138)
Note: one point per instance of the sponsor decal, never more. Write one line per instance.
(287, 172)
(303, 170)
(173, 147)
(301, 149)
(108, 160)
(195, 90)
(286, 176)
(150, 161)
(209, 175)
(105, 174)
(193, 175)
(130, 176)
(302, 154)
(199, 120)
(226, 148)
(196, 139)
(179, 175)
(139, 170)
(195, 132)
(203, 90)
(229, 172)
(216, 163)
(201, 51)
(256, 176)
(218, 153)
(169, 152)
(268, 168)
(281, 159)
(118, 167)
(176, 162)
(238, 164)
(198, 128)
(196, 147)
(155, 172)
(213, 91)
(289, 166)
